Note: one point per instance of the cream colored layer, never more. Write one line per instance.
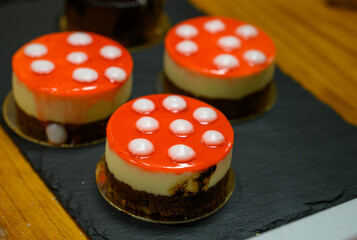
(210, 87)
(158, 182)
(67, 110)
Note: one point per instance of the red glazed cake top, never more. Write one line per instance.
(169, 133)
(220, 47)
(72, 64)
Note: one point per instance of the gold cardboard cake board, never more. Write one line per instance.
(100, 178)
(9, 114)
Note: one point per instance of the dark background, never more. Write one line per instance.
(297, 159)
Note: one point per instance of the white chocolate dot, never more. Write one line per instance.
(110, 52)
(174, 103)
(187, 47)
(35, 50)
(214, 26)
(147, 125)
(181, 153)
(254, 57)
(42, 66)
(204, 115)
(140, 147)
(212, 138)
(186, 31)
(229, 43)
(56, 133)
(246, 31)
(143, 106)
(77, 57)
(226, 60)
(115, 74)
(85, 75)
(79, 39)
(181, 127)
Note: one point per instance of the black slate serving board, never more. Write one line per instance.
(297, 159)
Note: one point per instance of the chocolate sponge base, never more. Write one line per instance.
(180, 206)
(76, 133)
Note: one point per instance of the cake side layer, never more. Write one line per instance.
(160, 183)
(251, 105)
(180, 206)
(77, 110)
(233, 88)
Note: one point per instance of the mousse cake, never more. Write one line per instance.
(223, 61)
(66, 85)
(131, 22)
(168, 158)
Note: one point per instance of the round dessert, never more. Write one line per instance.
(130, 22)
(66, 85)
(169, 159)
(222, 61)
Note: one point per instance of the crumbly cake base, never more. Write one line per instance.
(234, 109)
(76, 133)
(181, 206)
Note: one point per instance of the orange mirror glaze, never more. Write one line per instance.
(121, 130)
(202, 61)
(60, 82)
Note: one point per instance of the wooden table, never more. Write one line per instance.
(316, 45)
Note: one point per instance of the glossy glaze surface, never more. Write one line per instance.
(60, 80)
(215, 36)
(121, 132)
